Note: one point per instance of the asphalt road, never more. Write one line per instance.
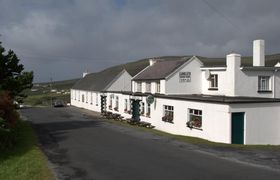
(80, 146)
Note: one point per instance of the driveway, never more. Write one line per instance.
(83, 146)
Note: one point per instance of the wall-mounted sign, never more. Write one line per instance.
(150, 99)
(184, 77)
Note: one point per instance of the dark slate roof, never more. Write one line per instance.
(209, 98)
(160, 69)
(100, 80)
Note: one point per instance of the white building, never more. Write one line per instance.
(232, 100)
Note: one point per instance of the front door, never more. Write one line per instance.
(237, 128)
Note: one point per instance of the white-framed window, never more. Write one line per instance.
(138, 86)
(96, 99)
(91, 99)
(213, 84)
(158, 87)
(117, 104)
(125, 105)
(264, 83)
(111, 102)
(195, 118)
(79, 97)
(142, 108)
(148, 110)
(83, 98)
(168, 113)
(86, 97)
(148, 87)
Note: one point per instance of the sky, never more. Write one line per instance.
(61, 39)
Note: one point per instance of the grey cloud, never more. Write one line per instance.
(63, 38)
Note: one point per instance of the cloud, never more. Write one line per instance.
(63, 38)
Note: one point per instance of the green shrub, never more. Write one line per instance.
(8, 121)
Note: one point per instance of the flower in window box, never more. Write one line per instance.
(142, 113)
(110, 106)
(148, 114)
(116, 109)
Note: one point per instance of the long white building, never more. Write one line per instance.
(228, 100)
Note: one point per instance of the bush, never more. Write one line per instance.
(8, 121)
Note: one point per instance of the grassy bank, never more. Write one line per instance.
(25, 161)
(45, 99)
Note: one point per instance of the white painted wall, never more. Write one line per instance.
(121, 83)
(222, 83)
(262, 122)
(94, 105)
(173, 86)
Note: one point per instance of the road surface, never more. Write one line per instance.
(80, 146)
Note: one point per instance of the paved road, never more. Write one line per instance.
(79, 146)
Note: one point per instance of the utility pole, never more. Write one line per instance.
(51, 92)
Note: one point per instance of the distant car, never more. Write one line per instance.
(58, 103)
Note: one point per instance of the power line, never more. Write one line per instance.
(222, 15)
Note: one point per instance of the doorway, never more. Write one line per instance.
(237, 128)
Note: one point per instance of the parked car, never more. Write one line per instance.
(58, 103)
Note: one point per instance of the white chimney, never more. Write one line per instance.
(85, 73)
(233, 69)
(233, 61)
(258, 53)
(152, 61)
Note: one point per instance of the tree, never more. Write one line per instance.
(13, 78)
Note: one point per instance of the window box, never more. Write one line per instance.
(167, 119)
(213, 89)
(195, 119)
(263, 91)
(116, 109)
(148, 115)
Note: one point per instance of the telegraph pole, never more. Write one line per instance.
(51, 92)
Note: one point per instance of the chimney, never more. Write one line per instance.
(85, 73)
(233, 69)
(258, 53)
(152, 61)
(233, 61)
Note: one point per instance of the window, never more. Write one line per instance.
(111, 102)
(168, 113)
(86, 97)
(117, 104)
(142, 108)
(138, 86)
(96, 99)
(125, 105)
(195, 118)
(213, 82)
(83, 98)
(91, 98)
(264, 83)
(148, 87)
(79, 96)
(148, 112)
(158, 87)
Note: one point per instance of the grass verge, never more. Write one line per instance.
(25, 161)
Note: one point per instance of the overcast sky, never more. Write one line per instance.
(60, 39)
